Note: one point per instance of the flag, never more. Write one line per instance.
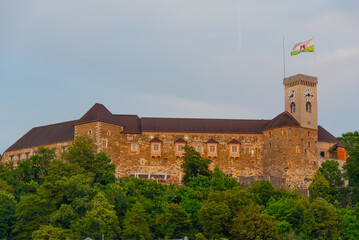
(307, 46)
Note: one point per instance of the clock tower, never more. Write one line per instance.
(300, 92)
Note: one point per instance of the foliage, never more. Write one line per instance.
(7, 214)
(53, 233)
(263, 191)
(319, 188)
(331, 172)
(251, 224)
(194, 165)
(136, 223)
(321, 222)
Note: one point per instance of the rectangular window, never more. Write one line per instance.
(27, 155)
(134, 147)
(104, 143)
(199, 149)
(234, 149)
(19, 157)
(322, 154)
(252, 151)
(12, 158)
(55, 151)
(180, 148)
(212, 149)
(63, 148)
(156, 147)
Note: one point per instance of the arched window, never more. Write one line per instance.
(292, 107)
(289, 131)
(308, 107)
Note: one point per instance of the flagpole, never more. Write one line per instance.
(315, 58)
(283, 58)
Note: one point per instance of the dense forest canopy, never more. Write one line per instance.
(78, 196)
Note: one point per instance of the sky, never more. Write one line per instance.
(178, 58)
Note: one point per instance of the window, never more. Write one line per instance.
(308, 133)
(180, 147)
(234, 149)
(270, 134)
(199, 148)
(35, 153)
(63, 148)
(270, 145)
(290, 142)
(55, 151)
(322, 154)
(308, 107)
(156, 147)
(104, 143)
(12, 158)
(133, 147)
(27, 155)
(19, 157)
(90, 132)
(289, 131)
(212, 149)
(292, 107)
(308, 144)
(252, 152)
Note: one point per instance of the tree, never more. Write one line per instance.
(263, 191)
(215, 219)
(251, 224)
(319, 187)
(351, 166)
(53, 233)
(220, 181)
(320, 222)
(7, 214)
(100, 220)
(82, 152)
(175, 222)
(136, 223)
(331, 172)
(194, 165)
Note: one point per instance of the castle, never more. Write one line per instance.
(286, 150)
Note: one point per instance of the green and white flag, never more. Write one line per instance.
(307, 46)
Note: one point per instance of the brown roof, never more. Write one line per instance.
(233, 141)
(131, 123)
(212, 141)
(45, 135)
(156, 140)
(284, 119)
(180, 140)
(198, 125)
(98, 113)
(325, 136)
(300, 77)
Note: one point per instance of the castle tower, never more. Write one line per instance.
(300, 92)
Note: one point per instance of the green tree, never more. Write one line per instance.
(220, 181)
(263, 191)
(331, 172)
(31, 213)
(82, 152)
(251, 224)
(321, 222)
(350, 229)
(194, 165)
(53, 233)
(136, 223)
(215, 219)
(319, 187)
(100, 219)
(7, 214)
(175, 222)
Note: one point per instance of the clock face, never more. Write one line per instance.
(308, 95)
(292, 95)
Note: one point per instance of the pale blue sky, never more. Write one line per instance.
(178, 58)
